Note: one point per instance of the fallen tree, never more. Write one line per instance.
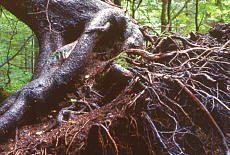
(67, 32)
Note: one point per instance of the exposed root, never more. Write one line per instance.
(175, 102)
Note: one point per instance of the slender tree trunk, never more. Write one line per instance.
(186, 9)
(36, 53)
(133, 8)
(32, 56)
(26, 57)
(169, 14)
(163, 15)
(196, 15)
(218, 2)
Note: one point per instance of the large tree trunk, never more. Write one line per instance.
(67, 31)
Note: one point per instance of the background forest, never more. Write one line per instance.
(19, 48)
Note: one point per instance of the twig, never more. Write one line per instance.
(180, 107)
(151, 56)
(185, 41)
(155, 131)
(21, 48)
(196, 58)
(209, 116)
(135, 98)
(111, 138)
(47, 15)
(214, 97)
(76, 135)
(112, 4)
(225, 45)
(129, 60)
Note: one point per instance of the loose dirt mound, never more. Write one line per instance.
(172, 98)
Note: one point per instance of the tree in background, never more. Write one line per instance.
(163, 15)
(18, 51)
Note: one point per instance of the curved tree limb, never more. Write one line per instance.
(53, 76)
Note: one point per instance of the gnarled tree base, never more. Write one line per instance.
(60, 64)
(161, 107)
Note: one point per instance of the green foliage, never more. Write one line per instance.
(121, 61)
(210, 13)
(13, 34)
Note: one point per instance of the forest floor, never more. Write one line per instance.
(171, 98)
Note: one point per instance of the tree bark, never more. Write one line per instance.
(196, 15)
(169, 14)
(67, 32)
(163, 15)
